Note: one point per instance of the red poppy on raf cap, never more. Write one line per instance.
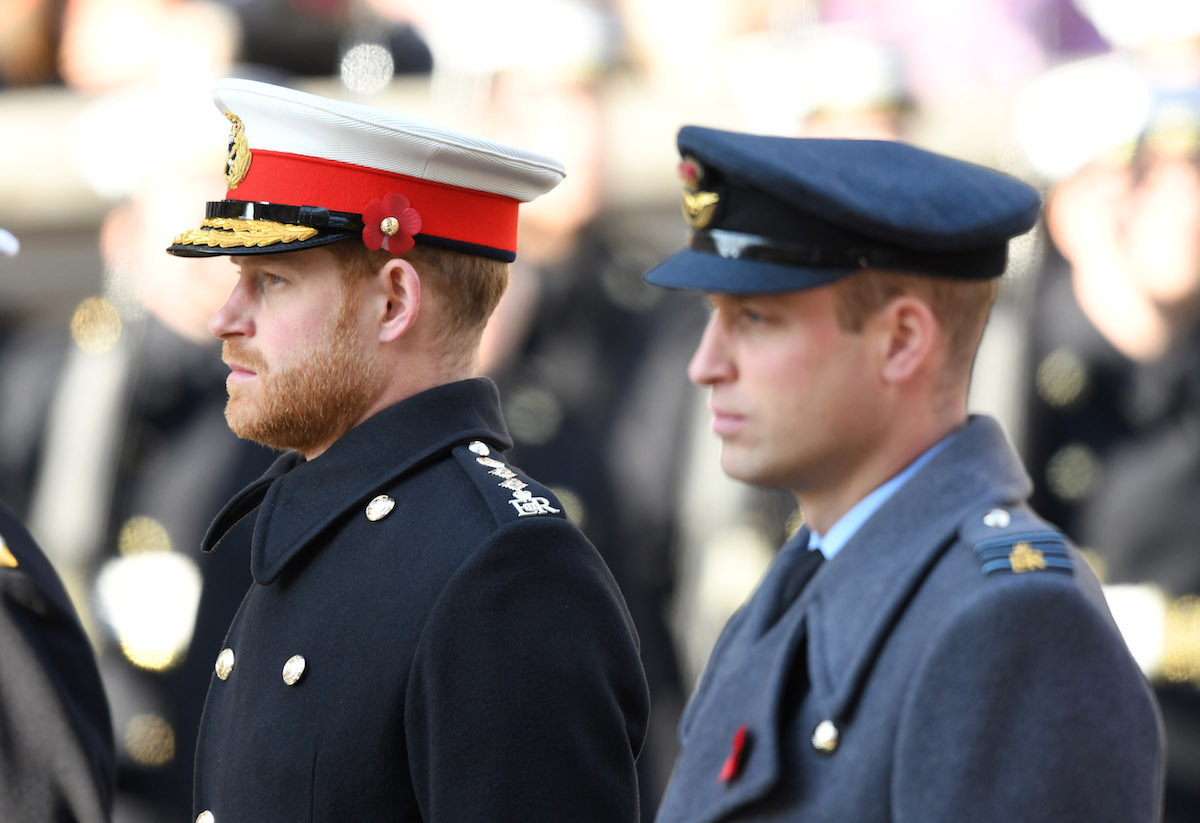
(305, 171)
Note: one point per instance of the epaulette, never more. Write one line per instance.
(509, 494)
(1015, 541)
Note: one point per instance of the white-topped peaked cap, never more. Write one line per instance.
(305, 170)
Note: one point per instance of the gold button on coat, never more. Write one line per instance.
(293, 670)
(825, 737)
(225, 662)
(205, 817)
(380, 507)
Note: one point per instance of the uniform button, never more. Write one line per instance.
(293, 670)
(224, 665)
(480, 448)
(825, 737)
(205, 817)
(380, 507)
(997, 519)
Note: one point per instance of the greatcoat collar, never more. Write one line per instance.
(854, 600)
(298, 500)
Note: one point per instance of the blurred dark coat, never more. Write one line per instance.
(959, 689)
(56, 744)
(173, 460)
(466, 653)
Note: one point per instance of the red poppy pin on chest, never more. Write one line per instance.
(737, 755)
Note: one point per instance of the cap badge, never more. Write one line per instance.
(389, 222)
(698, 206)
(237, 161)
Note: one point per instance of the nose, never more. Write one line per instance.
(232, 319)
(711, 363)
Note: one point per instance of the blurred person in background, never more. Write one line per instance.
(100, 419)
(29, 36)
(1112, 414)
(57, 761)
(588, 358)
(104, 410)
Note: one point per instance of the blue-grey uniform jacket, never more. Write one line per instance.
(954, 662)
(57, 761)
(427, 638)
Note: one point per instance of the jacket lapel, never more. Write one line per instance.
(861, 593)
(298, 501)
(732, 754)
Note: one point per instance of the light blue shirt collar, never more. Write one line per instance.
(849, 523)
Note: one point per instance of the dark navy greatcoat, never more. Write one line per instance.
(427, 638)
(56, 743)
(954, 662)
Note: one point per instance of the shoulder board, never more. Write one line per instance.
(1015, 541)
(510, 494)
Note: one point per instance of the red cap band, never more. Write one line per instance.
(462, 215)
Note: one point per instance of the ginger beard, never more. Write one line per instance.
(309, 405)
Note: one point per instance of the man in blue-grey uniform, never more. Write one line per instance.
(925, 648)
(427, 637)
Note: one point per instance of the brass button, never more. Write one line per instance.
(7, 558)
(293, 670)
(205, 817)
(997, 519)
(380, 507)
(224, 665)
(825, 737)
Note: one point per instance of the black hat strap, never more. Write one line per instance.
(733, 245)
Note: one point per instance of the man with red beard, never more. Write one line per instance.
(427, 637)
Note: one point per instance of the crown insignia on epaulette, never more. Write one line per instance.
(1021, 553)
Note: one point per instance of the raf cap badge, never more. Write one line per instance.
(699, 207)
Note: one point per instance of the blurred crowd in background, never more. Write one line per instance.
(113, 446)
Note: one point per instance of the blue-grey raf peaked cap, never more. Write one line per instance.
(774, 214)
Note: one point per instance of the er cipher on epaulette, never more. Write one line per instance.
(522, 496)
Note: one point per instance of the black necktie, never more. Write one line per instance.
(798, 570)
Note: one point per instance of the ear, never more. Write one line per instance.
(402, 298)
(908, 333)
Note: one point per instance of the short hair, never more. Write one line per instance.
(961, 306)
(468, 287)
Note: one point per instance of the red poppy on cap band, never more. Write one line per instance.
(390, 223)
